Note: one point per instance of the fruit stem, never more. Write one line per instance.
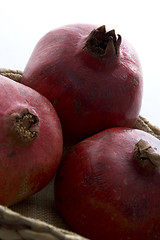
(101, 43)
(23, 127)
(146, 156)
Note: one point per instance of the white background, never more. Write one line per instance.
(23, 23)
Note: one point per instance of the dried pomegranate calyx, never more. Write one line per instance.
(101, 43)
(146, 156)
(24, 127)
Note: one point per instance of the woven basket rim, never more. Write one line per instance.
(15, 75)
(21, 224)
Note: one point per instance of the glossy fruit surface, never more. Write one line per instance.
(107, 186)
(30, 141)
(91, 75)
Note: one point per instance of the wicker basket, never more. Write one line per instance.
(36, 218)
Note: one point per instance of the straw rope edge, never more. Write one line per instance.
(14, 226)
(143, 124)
(15, 75)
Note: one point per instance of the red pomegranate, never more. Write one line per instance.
(107, 186)
(30, 141)
(91, 75)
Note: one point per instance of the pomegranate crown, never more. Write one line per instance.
(101, 43)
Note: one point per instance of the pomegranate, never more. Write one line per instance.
(107, 186)
(91, 75)
(30, 141)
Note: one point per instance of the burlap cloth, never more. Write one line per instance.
(37, 217)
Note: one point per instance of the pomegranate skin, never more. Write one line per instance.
(90, 93)
(30, 141)
(103, 193)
